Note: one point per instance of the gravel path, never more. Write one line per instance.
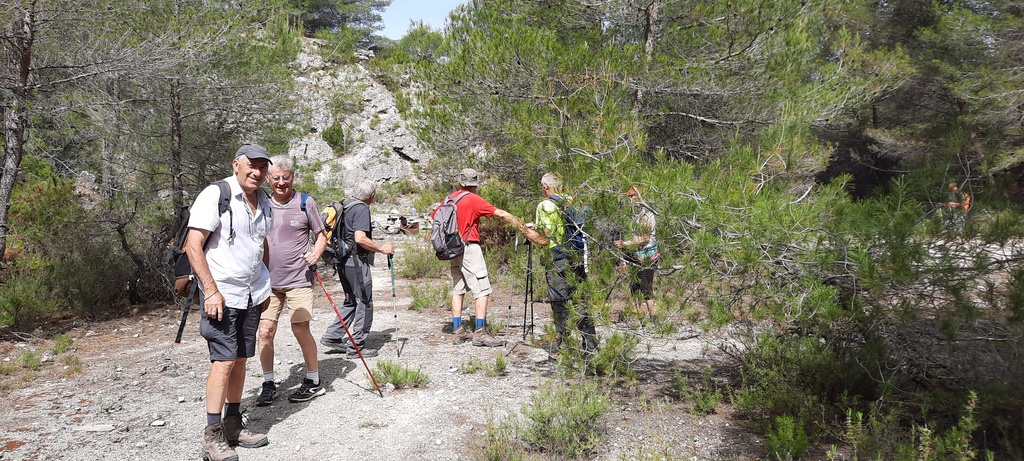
(140, 397)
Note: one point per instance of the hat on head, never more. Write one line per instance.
(468, 177)
(253, 151)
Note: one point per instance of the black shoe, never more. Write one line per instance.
(307, 391)
(267, 394)
(336, 345)
(367, 353)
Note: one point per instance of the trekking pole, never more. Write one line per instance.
(184, 312)
(511, 286)
(394, 302)
(352, 341)
(529, 288)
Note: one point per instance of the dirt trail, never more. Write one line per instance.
(140, 396)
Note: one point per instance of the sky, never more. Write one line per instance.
(431, 12)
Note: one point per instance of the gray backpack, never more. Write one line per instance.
(444, 234)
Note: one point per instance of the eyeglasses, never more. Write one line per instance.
(280, 178)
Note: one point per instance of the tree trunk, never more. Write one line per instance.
(177, 189)
(650, 35)
(19, 48)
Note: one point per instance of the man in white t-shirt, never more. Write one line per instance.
(231, 268)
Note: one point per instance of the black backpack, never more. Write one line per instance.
(184, 280)
(573, 219)
(334, 224)
(444, 233)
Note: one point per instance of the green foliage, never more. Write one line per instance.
(502, 441)
(334, 135)
(787, 440)
(62, 343)
(418, 261)
(792, 377)
(567, 421)
(498, 368)
(614, 358)
(429, 296)
(43, 278)
(387, 371)
(30, 359)
(703, 397)
(72, 364)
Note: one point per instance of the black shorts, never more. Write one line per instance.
(643, 284)
(234, 335)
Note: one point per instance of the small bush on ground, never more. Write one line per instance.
(502, 440)
(62, 343)
(72, 364)
(418, 261)
(567, 421)
(394, 373)
(30, 359)
(703, 397)
(787, 439)
(614, 358)
(428, 296)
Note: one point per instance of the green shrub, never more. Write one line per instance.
(703, 397)
(614, 358)
(31, 360)
(787, 439)
(62, 343)
(25, 299)
(472, 366)
(795, 376)
(567, 421)
(334, 135)
(418, 261)
(502, 441)
(72, 364)
(429, 296)
(394, 373)
(500, 366)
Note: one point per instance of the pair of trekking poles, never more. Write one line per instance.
(352, 341)
(528, 296)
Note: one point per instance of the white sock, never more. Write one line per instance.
(268, 376)
(313, 376)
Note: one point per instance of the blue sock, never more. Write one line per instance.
(479, 323)
(456, 322)
(212, 418)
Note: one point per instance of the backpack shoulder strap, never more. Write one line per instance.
(558, 200)
(224, 204)
(459, 197)
(302, 204)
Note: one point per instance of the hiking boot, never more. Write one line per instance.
(335, 345)
(482, 338)
(267, 394)
(460, 335)
(307, 391)
(367, 353)
(215, 448)
(237, 435)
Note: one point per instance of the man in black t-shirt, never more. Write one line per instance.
(354, 272)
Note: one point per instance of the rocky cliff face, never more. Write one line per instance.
(379, 145)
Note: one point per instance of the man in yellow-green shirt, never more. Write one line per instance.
(564, 267)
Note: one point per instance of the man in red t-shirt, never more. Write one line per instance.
(469, 271)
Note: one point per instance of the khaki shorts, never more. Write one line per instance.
(299, 300)
(469, 272)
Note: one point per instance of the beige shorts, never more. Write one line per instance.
(469, 272)
(299, 300)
